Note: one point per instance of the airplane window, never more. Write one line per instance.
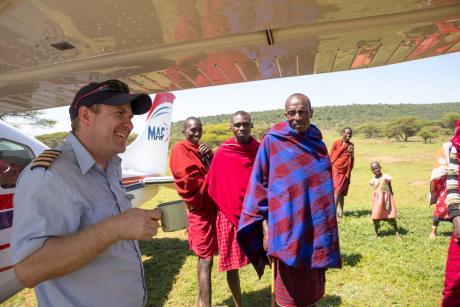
(13, 158)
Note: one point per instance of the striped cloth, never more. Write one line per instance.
(298, 288)
(231, 257)
(451, 292)
(291, 186)
(452, 197)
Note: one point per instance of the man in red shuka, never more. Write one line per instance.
(228, 179)
(342, 159)
(189, 165)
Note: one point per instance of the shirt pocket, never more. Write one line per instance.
(100, 211)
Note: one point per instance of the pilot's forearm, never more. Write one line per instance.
(59, 256)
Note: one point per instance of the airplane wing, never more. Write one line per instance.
(132, 184)
(144, 188)
(50, 48)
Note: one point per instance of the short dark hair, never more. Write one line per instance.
(242, 113)
(190, 119)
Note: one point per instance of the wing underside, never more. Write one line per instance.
(49, 48)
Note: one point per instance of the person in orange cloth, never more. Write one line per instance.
(189, 165)
(383, 202)
(342, 159)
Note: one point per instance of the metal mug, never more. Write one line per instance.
(173, 215)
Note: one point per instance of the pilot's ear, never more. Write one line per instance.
(84, 114)
(311, 113)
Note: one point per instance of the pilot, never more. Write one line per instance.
(74, 235)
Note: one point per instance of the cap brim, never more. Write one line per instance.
(140, 103)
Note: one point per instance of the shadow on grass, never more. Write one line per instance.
(166, 257)
(330, 300)
(263, 298)
(390, 232)
(351, 259)
(358, 213)
(254, 298)
(444, 233)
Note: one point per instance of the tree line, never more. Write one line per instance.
(395, 121)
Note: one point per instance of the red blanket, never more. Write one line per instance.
(229, 176)
(189, 175)
(342, 164)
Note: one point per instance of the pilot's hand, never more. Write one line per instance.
(137, 224)
(206, 149)
(456, 222)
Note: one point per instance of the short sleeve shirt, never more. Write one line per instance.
(71, 195)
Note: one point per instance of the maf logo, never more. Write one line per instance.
(158, 133)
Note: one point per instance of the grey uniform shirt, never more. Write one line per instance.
(73, 194)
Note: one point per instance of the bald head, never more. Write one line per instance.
(298, 97)
(298, 112)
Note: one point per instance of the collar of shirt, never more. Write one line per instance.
(84, 158)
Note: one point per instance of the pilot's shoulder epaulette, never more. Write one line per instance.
(45, 158)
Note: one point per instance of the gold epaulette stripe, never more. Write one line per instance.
(52, 152)
(40, 164)
(48, 155)
(45, 159)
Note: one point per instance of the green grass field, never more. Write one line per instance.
(376, 272)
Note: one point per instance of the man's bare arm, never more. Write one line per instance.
(59, 256)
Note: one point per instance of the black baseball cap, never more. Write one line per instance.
(110, 92)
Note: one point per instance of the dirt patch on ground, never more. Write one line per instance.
(388, 159)
(419, 183)
(396, 159)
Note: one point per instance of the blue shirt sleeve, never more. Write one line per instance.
(43, 208)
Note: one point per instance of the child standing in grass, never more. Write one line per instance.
(383, 203)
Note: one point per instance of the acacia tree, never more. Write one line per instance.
(448, 120)
(427, 134)
(369, 130)
(403, 128)
(30, 118)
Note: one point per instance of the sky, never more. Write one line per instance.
(431, 80)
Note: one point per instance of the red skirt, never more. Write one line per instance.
(231, 257)
(202, 232)
(298, 287)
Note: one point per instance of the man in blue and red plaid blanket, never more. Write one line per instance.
(288, 212)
